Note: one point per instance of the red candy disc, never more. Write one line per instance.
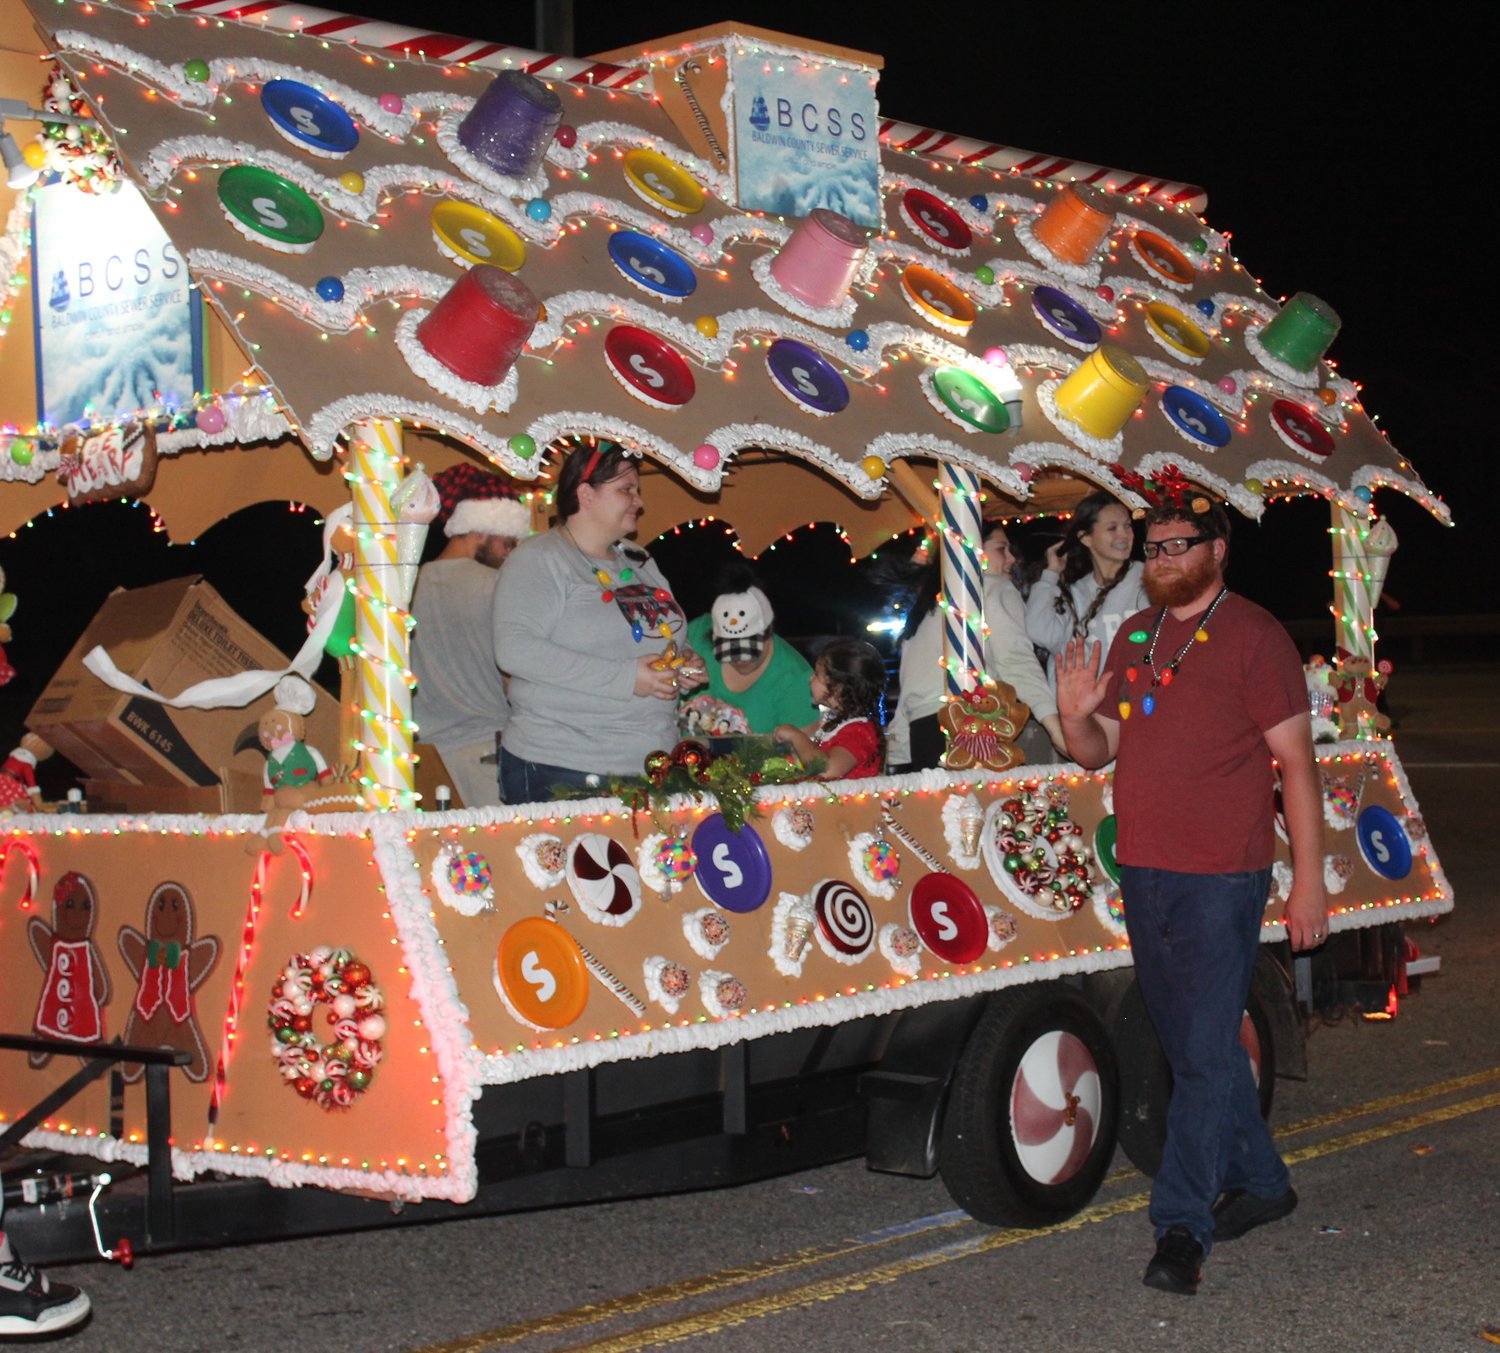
(649, 367)
(950, 918)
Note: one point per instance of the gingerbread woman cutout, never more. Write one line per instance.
(75, 989)
(169, 965)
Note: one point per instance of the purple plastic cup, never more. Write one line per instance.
(511, 124)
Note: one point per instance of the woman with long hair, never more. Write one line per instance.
(1091, 585)
(584, 623)
(915, 735)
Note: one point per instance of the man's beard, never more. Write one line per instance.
(1181, 588)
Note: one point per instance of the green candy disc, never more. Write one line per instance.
(265, 204)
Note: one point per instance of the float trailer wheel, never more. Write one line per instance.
(1029, 1127)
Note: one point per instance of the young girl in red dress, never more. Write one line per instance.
(848, 682)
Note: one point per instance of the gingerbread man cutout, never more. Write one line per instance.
(169, 965)
(75, 989)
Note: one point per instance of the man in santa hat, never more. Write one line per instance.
(460, 703)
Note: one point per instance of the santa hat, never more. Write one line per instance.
(491, 517)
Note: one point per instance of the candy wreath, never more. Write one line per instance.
(335, 1074)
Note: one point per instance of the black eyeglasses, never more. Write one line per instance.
(1172, 548)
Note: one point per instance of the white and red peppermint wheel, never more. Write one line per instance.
(604, 879)
(846, 926)
(1055, 1101)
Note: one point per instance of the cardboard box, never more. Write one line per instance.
(168, 636)
(237, 792)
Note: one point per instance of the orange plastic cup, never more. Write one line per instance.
(1075, 223)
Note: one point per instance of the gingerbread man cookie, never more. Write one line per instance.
(75, 989)
(169, 965)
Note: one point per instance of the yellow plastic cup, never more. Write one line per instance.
(1103, 391)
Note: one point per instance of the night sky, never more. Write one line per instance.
(1327, 149)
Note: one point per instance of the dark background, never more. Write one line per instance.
(1333, 146)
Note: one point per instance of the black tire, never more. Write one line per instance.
(1146, 1079)
(1041, 1054)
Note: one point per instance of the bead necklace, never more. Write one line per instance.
(607, 592)
(1166, 675)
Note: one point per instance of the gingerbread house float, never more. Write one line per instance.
(718, 253)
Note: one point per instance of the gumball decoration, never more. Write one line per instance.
(704, 234)
(330, 289)
(196, 71)
(996, 356)
(658, 767)
(1228, 384)
(567, 137)
(857, 339)
(391, 103)
(35, 154)
(352, 181)
(22, 452)
(1205, 306)
(211, 419)
(979, 202)
(1254, 486)
(1105, 293)
(873, 466)
(1328, 395)
(1198, 245)
(984, 275)
(539, 209)
(1024, 471)
(706, 456)
(707, 325)
(1362, 492)
(523, 445)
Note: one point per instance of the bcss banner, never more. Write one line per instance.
(805, 136)
(119, 330)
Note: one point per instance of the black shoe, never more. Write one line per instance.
(29, 1304)
(1237, 1212)
(1177, 1264)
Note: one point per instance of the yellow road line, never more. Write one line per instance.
(670, 1293)
(710, 1322)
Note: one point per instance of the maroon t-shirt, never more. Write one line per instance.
(1194, 781)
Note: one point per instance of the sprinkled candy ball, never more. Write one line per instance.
(881, 861)
(1343, 800)
(468, 872)
(676, 860)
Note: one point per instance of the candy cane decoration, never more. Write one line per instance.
(382, 629)
(605, 978)
(304, 860)
(909, 841)
(963, 584)
(33, 868)
(691, 67)
(237, 987)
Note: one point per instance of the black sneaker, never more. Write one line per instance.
(1237, 1212)
(29, 1304)
(1177, 1264)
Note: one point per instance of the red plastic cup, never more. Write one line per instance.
(479, 328)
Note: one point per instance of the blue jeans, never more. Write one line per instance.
(1194, 938)
(532, 781)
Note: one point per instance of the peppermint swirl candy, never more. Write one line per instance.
(845, 922)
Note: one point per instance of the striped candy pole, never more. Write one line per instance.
(381, 628)
(1361, 556)
(963, 583)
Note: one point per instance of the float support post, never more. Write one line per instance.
(382, 628)
(1362, 550)
(963, 582)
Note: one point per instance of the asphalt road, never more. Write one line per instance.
(1394, 1141)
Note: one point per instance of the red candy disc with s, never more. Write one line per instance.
(950, 918)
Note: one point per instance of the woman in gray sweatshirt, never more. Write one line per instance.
(591, 638)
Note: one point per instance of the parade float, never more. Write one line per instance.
(717, 252)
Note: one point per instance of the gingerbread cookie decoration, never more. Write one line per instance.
(169, 965)
(981, 727)
(75, 989)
